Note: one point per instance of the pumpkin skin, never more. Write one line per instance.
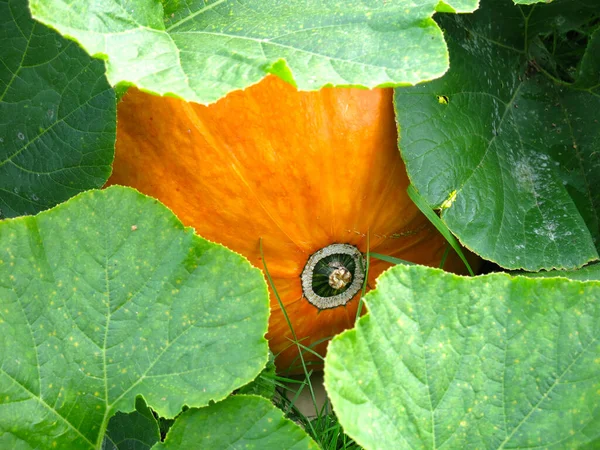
(301, 170)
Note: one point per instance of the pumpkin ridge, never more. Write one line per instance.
(205, 132)
(293, 301)
(269, 215)
(384, 195)
(326, 114)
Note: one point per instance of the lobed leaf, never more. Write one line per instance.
(108, 297)
(503, 145)
(238, 422)
(57, 116)
(494, 362)
(201, 50)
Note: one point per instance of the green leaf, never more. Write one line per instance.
(107, 297)
(201, 50)
(239, 422)
(264, 384)
(137, 430)
(438, 224)
(589, 70)
(509, 152)
(165, 425)
(590, 272)
(57, 116)
(490, 362)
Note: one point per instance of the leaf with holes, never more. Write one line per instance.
(491, 362)
(201, 50)
(507, 143)
(107, 297)
(57, 116)
(240, 422)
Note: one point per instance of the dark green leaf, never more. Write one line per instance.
(201, 50)
(165, 425)
(239, 422)
(509, 152)
(589, 70)
(107, 297)
(137, 430)
(590, 272)
(57, 116)
(490, 362)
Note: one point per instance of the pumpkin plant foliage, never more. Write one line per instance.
(57, 116)
(108, 297)
(507, 143)
(494, 362)
(240, 421)
(118, 323)
(201, 50)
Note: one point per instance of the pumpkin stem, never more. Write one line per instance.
(333, 275)
(339, 277)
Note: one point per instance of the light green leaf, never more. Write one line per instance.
(137, 430)
(508, 150)
(491, 362)
(57, 116)
(201, 50)
(107, 297)
(239, 422)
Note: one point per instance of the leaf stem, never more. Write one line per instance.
(438, 223)
(287, 319)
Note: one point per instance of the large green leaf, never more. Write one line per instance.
(491, 362)
(507, 143)
(201, 50)
(107, 297)
(57, 116)
(239, 422)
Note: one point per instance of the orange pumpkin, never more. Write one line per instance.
(302, 171)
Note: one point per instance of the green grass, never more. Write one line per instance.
(324, 427)
(439, 224)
